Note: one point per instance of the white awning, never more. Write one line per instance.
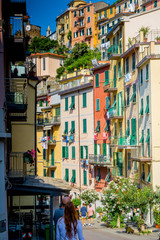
(47, 128)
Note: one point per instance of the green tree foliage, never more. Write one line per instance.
(76, 202)
(42, 44)
(89, 196)
(60, 71)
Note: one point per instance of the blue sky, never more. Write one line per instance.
(44, 12)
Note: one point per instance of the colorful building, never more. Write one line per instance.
(147, 5)
(77, 129)
(100, 159)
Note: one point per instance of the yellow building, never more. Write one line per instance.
(102, 16)
(49, 136)
(64, 26)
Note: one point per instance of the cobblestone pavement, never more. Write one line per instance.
(100, 232)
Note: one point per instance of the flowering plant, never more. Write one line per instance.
(29, 157)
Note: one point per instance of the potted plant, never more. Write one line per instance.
(145, 31)
(29, 157)
(158, 39)
(156, 214)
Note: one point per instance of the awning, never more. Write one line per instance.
(47, 128)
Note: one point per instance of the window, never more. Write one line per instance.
(52, 173)
(65, 153)
(97, 79)
(128, 129)
(144, 8)
(84, 152)
(119, 8)
(125, 5)
(112, 23)
(133, 98)
(119, 69)
(44, 172)
(103, 55)
(88, 9)
(41, 103)
(107, 128)
(100, 15)
(72, 131)
(141, 111)
(127, 65)
(98, 127)
(106, 77)
(155, 3)
(98, 176)
(133, 62)
(97, 104)
(130, 1)
(75, 23)
(67, 174)
(95, 149)
(134, 131)
(88, 19)
(111, 10)
(129, 161)
(85, 125)
(44, 64)
(135, 165)
(102, 30)
(66, 128)
(107, 103)
(57, 111)
(147, 72)
(149, 174)
(81, 12)
(89, 31)
(141, 76)
(147, 108)
(148, 142)
(73, 152)
(44, 154)
(75, 13)
(104, 149)
(66, 104)
(128, 90)
(67, 26)
(75, 34)
(115, 78)
(105, 13)
(84, 177)
(73, 179)
(72, 106)
(82, 32)
(115, 129)
(84, 100)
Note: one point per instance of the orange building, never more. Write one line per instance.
(100, 160)
(147, 5)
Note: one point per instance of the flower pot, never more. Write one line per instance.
(145, 39)
(158, 40)
(157, 225)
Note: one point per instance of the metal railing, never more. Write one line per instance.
(76, 83)
(17, 166)
(111, 82)
(115, 112)
(114, 49)
(127, 141)
(16, 27)
(99, 159)
(50, 120)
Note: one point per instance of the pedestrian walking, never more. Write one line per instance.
(83, 214)
(69, 227)
(90, 215)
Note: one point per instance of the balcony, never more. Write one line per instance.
(80, 26)
(88, 35)
(110, 85)
(127, 142)
(101, 19)
(49, 164)
(81, 15)
(16, 40)
(115, 113)
(17, 7)
(61, 22)
(116, 171)
(137, 155)
(99, 160)
(16, 95)
(41, 121)
(17, 167)
(62, 32)
(77, 83)
(114, 52)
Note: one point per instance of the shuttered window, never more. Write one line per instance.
(66, 128)
(84, 100)
(133, 62)
(141, 110)
(127, 65)
(73, 179)
(97, 104)
(119, 69)
(97, 80)
(147, 108)
(128, 90)
(128, 129)
(84, 177)
(67, 175)
(73, 152)
(66, 104)
(72, 131)
(81, 152)
(104, 149)
(85, 125)
(65, 153)
(57, 111)
(147, 72)
(134, 127)
(141, 76)
(107, 103)
(44, 154)
(44, 172)
(95, 149)
(107, 77)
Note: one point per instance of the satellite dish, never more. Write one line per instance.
(28, 27)
(94, 62)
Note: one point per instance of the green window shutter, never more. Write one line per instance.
(133, 62)
(107, 102)
(73, 102)
(97, 80)
(44, 172)
(84, 177)
(57, 111)
(148, 136)
(85, 125)
(142, 143)
(66, 127)
(41, 103)
(72, 131)
(81, 152)
(73, 179)
(73, 152)
(86, 152)
(97, 104)
(99, 14)
(84, 100)
(104, 149)
(115, 129)
(144, 8)
(148, 141)
(134, 127)
(102, 30)
(44, 64)
(141, 76)
(66, 104)
(128, 129)
(107, 77)
(119, 69)
(147, 108)
(128, 90)
(127, 65)
(141, 111)
(147, 72)
(67, 152)
(63, 152)
(67, 174)
(105, 13)
(121, 103)
(125, 5)
(95, 149)
(155, 3)
(52, 157)
(114, 160)
(133, 98)
(44, 154)
(119, 164)
(118, 104)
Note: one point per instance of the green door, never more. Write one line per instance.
(52, 157)
(119, 164)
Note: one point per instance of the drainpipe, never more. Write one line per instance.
(79, 145)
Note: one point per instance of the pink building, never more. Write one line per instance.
(147, 5)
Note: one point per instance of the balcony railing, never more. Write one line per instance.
(114, 51)
(61, 22)
(88, 35)
(110, 85)
(17, 167)
(77, 83)
(127, 141)
(115, 112)
(140, 155)
(99, 159)
(117, 171)
(62, 31)
(48, 121)
(16, 95)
